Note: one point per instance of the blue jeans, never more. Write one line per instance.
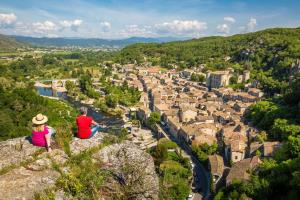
(51, 131)
(94, 130)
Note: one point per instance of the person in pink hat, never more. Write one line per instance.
(41, 133)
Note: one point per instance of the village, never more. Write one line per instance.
(202, 113)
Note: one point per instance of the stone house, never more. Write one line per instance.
(143, 113)
(255, 92)
(203, 139)
(161, 108)
(199, 133)
(235, 142)
(241, 107)
(188, 132)
(216, 168)
(269, 148)
(187, 113)
(173, 125)
(221, 117)
(217, 79)
(240, 170)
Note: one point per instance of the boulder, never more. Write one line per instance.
(16, 151)
(133, 171)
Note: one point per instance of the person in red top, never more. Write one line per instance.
(85, 130)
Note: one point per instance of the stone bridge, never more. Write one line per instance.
(61, 82)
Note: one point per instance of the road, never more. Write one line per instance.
(201, 176)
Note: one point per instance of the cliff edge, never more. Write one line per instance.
(26, 170)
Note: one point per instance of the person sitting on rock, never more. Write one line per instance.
(41, 133)
(86, 126)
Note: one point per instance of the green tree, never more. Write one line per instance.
(111, 101)
(154, 118)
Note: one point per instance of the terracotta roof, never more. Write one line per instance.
(204, 138)
(270, 148)
(186, 108)
(239, 169)
(216, 164)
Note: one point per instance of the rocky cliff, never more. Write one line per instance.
(26, 170)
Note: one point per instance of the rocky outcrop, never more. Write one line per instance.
(133, 171)
(15, 151)
(26, 170)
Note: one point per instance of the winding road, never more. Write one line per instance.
(201, 176)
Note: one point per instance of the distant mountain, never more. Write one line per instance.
(90, 42)
(9, 44)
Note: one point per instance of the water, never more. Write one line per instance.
(50, 93)
(110, 122)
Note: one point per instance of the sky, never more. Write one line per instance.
(112, 19)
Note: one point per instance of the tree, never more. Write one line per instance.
(292, 94)
(203, 151)
(197, 77)
(281, 129)
(167, 143)
(70, 85)
(160, 154)
(154, 118)
(111, 101)
(233, 80)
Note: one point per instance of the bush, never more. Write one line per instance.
(167, 143)
(70, 184)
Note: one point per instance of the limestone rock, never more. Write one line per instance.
(15, 151)
(22, 183)
(133, 170)
(77, 145)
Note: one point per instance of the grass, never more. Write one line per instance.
(85, 177)
(47, 194)
(71, 60)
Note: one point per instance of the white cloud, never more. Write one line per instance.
(251, 24)
(178, 27)
(229, 19)
(44, 27)
(136, 30)
(105, 26)
(7, 19)
(74, 25)
(223, 28)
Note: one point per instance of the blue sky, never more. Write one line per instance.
(145, 18)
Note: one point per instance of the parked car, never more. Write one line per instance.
(192, 164)
(190, 197)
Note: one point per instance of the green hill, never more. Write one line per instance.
(8, 44)
(197, 51)
(268, 54)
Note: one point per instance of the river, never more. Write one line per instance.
(109, 122)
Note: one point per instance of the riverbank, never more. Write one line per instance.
(101, 117)
(39, 84)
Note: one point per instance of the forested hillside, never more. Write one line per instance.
(89, 42)
(9, 44)
(268, 54)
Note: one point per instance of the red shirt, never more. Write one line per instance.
(84, 126)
